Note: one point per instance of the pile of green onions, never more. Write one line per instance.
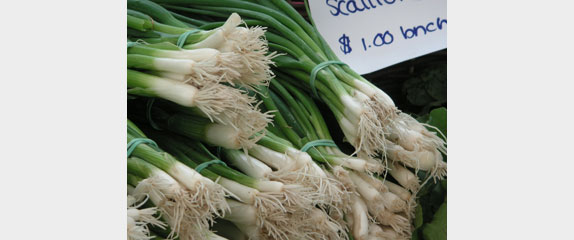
(207, 84)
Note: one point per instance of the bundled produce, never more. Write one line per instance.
(230, 130)
(188, 201)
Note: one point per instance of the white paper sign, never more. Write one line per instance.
(372, 34)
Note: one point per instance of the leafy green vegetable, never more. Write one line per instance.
(418, 216)
(437, 118)
(436, 230)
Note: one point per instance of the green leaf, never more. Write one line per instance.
(164, 46)
(436, 230)
(437, 118)
(141, 92)
(418, 215)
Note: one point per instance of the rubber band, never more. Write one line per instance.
(131, 44)
(137, 141)
(316, 70)
(320, 142)
(204, 165)
(183, 37)
(148, 114)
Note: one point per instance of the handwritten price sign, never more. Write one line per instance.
(373, 34)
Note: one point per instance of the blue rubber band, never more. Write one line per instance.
(137, 141)
(204, 165)
(131, 44)
(316, 70)
(320, 142)
(183, 37)
(148, 114)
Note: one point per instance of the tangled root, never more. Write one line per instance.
(429, 160)
(398, 223)
(188, 212)
(137, 230)
(233, 107)
(297, 197)
(138, 220)
(318, 225)
(370, 133)
(329, 191)
(413, 135)
(250, 44)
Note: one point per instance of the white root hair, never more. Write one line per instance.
(371, 135)
(316, 224)
(250, 44)
(416, 141)
(397, 222)
(330, 194)
(233, 107)
(297, 197)
(188, 212)
(138, 220)
(137, 230)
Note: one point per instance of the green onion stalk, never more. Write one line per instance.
(246, 47)
(189, 201)
(188, 122)
(314, 222)
(177, 204)
(217, 102)
(299, 118)
(309, 54)
(367, 116)
(198, 67)
(164, 231)
(196, 153)
(138, 219)
(314, 225)
(410, 142)
(148, 226)
(295, 110)
(292, 165)
(405, 140)
(245, 218)
(273, 201)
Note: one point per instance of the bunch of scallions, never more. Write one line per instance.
(205, 160)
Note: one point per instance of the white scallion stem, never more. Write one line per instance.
(399, 191)
(223, 136)
(249, 165)
(405, 177)
(360, 218)
(271, 158)
(241, 213)
(243, 193)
